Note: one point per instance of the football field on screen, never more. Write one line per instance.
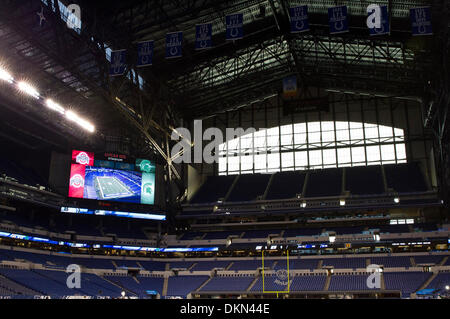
(111, 187)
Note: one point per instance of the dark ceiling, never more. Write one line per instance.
(73, 69)
(236, 73)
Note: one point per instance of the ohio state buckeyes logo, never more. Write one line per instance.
(77, 181)
(82, 158)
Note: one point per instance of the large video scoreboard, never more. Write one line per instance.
(112, 177)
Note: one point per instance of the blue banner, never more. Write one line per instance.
(235, 26)
(421, 21)
(299, 19)
(118, 62)
(145, 53)
(174, 42)
(290, 88)
(385, 27)
(338, 19)
(203, 36)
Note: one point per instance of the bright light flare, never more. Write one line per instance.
(6, 76)
(28, 89)
(55, 106)
(81, 122)
(396, 200)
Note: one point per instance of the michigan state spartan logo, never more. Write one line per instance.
(148, 188)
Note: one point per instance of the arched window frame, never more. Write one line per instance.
(313, 145)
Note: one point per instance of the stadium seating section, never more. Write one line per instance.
(401, 178)
(405, 178)
(214, 188)
(249, 187)
(298, 232)
(98, 277)
(84, 225)
(286, 185)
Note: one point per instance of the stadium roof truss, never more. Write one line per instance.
(236, 73)
(226, 77)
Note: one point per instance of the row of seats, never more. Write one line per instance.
(348, 230)
(406, 282)
(402, 178)
(20, 174)
(15, 282)
(53, 283)
(234, 265)
(21, 282)
(80, 224)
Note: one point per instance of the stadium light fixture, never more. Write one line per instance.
(342, 202)
(55, 106)
(28, 89)
(396, 200)
(6, 76)
(81, 122)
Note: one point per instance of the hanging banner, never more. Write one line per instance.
(235, 26)
(203, 36)
(421, 21)
(145, 53)
(299, 19)
(385, 27)
(290, 88)
(174, 43)
(338, 19)
(118, 62)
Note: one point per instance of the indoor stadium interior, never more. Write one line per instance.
(212, 149)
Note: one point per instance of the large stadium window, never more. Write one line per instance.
(315, 145)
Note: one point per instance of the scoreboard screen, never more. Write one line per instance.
(112, 177)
